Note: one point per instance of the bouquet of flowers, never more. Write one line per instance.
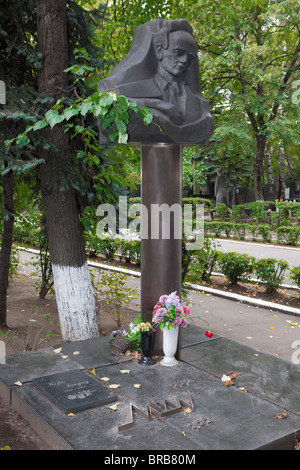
(168, 310)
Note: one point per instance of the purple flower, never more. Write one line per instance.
(172, 299)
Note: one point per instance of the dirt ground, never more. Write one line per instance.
(33, 324)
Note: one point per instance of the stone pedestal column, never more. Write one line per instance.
(161, 231)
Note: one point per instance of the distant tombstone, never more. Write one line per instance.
(2, 352)
(295, 190)
(74, 391)
(220, 188)
(271, 190)
(2, 92)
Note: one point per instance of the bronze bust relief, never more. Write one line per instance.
(161, 71)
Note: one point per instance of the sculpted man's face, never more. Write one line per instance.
(180, 53)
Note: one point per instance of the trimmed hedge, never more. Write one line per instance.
(284, 234)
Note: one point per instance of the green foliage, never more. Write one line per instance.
(203, 261)
(235, 267)
(289, 235)
(295, 275)
(113, 295)
(270, 271)
(222, 211)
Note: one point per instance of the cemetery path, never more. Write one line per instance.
(264, 329)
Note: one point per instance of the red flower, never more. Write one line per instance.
(208, 334)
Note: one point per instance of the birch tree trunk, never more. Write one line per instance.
(72, 282)
(6, 243)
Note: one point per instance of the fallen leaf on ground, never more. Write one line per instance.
(71, 414)
(243, 389)
(92, 371)
(18, 383)
(137, 385)
(57, 351)
(281, 415)
(105, 379)
(64, 356)
(125, 371)
(114, 386)
(75, 353)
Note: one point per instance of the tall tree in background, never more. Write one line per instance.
(74, 294)
(243, 47)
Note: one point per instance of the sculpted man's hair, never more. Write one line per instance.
(168, 26)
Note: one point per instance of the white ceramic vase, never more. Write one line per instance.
(170, 340)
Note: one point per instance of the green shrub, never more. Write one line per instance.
(240, 230)
(295, 275)
(270, 271)
(222, 211)
(203, 261)
(235, 266)
(264, 232)
(290, 235)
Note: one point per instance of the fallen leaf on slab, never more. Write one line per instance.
(114, 386)
(105, 379)
(75, 353)
(232, 375)
(113, 407)
(243, 389)
(64, 357)
(18, 383)
(71, 414)
(137, 385)
(125, 371)
(187, 410)
(92, 371)
(225, 378)
(57, 351)
(281, 415)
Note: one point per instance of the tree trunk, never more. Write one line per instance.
(269, 167)
(6, 242)
(258, 169)
(72, 282)
(281, 172)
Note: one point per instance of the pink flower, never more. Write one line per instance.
(179, 311)
(186, 311)
(163, 299)
(159, 314)
(184, 322)
(177, 321)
